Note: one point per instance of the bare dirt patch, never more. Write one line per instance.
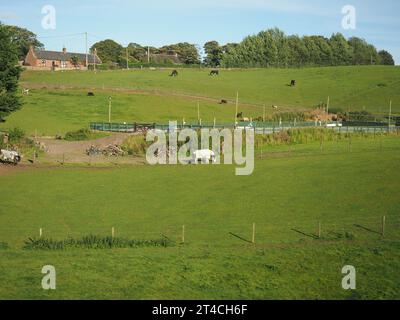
(61, 151)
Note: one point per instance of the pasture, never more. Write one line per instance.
(345, 184)
(58, 103)
(286, 197)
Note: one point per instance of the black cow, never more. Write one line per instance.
(174, 73)
(90, 94)
(293, 83)
(214, 73)
(223, 101)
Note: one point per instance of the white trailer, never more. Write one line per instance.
(7, 156)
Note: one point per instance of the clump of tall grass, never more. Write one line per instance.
(94, 242)
(135, 145)
(309, 135)
(3, 245)
(83, 134)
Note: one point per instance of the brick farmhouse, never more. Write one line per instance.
(55, 60)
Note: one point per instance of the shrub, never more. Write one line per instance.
(16, 135)
(3, 245)
(83, 134)
(135, 145)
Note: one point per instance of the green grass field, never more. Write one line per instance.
(286, 197)
(58, 101)
(347, 185)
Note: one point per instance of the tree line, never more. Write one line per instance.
(269, 48)
(111, 52)
(273, 48)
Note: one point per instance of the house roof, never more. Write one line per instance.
(61, 56)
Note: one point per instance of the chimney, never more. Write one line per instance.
(64, 50)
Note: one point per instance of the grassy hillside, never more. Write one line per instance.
(286, 197)
(58, 102)
(357, 87)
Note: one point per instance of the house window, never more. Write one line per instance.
(63, 64)
(43, 62)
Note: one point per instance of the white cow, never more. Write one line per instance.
(10, 156)
(203, 156)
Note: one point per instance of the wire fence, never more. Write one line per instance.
(220, 234)
(259, 127)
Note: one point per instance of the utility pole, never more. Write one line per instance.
(94, 59)
(109, 109)
(264, 114)
(198, 112)
(86, 39)
(148, 54)
(127, 63)
(237, 106)
(327, 106)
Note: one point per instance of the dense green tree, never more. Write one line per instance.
(136, 52)
(363, 53)
(325, 51)
(297, 52)
(109, 51)
(187, 52)
(342, 52)
(9, 74)
(23, 39)
(386, 58)
(214, 53)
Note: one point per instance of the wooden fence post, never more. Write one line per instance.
(40, 232)
(183, 234)
(253, 239)
(319, 230)
(383, 225)
(112, 232)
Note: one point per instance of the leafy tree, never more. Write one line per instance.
(136, 52)
(109, 51)
(23, 39)
(187, 53)
(342, 53)
(75, 61)
(364, 53)
(214, 54)
(325, 51)
(9, 74)
(297, 52)
(386, 58)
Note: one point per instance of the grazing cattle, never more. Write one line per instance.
(214, 73)
(90, 94)
(25, 91)
(223, 101)
(275, 107)
(293, 83)
(239, 115)
(174, 73)
(204, 156)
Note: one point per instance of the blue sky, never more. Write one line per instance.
(159, 22)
